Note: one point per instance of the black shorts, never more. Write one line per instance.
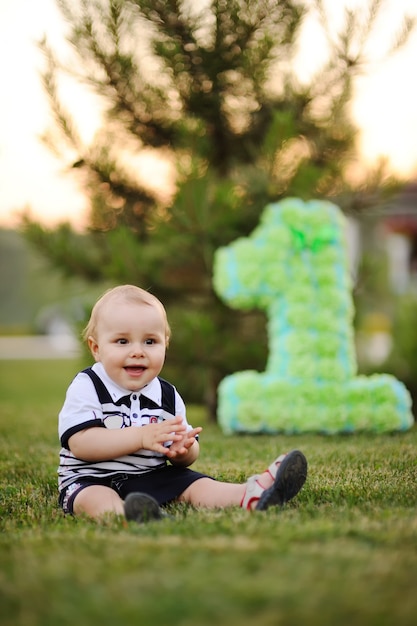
(165, 485)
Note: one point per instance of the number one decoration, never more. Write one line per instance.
(294, 266)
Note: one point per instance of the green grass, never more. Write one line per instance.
(343, 553)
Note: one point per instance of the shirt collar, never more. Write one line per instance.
(152, 390)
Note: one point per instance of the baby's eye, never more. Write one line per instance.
(149, 342)
(122, 341)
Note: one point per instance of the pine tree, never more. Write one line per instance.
(210, 86)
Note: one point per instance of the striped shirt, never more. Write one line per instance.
(116, 408)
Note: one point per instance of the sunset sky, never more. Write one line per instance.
(385, 110)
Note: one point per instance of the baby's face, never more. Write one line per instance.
(130, 342)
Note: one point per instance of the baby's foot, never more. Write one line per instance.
(278, 484)
(140, 508)
(290, 477)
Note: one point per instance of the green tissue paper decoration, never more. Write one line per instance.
(294, 266)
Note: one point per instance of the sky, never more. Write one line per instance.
(385, 110)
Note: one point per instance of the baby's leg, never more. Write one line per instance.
(277, 485)
(97, 501)
(206, 492)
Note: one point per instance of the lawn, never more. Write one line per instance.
(343, 553)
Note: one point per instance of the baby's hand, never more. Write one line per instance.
(155, 435)
(181, 446)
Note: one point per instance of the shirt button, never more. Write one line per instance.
(134, 396)
(134, 414)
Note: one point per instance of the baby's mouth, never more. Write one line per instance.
(135, 369)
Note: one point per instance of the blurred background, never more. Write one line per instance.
(137, 137)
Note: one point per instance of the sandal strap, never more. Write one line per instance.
(252, 493)
(273, 468)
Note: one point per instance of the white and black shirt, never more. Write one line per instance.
(92, 400)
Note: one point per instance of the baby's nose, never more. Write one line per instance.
(137, 349)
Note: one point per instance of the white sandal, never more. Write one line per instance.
(289, 472)
(254, 489)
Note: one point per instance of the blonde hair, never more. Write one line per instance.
(130, 293)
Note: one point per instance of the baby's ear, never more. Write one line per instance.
(94, 349)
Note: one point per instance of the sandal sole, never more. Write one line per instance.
(142, 508)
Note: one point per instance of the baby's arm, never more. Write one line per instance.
(102, 444)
